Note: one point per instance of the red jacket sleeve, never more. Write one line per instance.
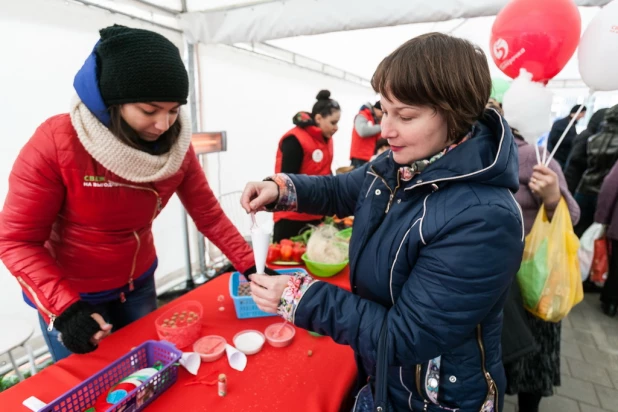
(35, 197)
(203, 207)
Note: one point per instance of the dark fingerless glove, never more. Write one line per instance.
(77, 327)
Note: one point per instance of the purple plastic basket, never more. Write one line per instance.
(146, 355)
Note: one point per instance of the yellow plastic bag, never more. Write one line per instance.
(549, 276)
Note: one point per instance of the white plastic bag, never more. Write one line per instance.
(586, 247)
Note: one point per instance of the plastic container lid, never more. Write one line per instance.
(210, 348)
(280, 335)
(249, 341)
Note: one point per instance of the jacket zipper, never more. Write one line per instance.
(393, 192)
(418, 386)
(158, 207)
(50, 315)
(491, 385)
(139, 245)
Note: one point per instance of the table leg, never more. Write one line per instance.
(31, 359)
(19, 375)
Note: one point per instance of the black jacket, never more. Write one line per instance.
(602, 154)
(578, 159)
(554, 135)
(517, 339)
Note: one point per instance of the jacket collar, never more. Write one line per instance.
(489, 157)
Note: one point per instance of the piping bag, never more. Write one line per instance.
(236, 358)
(260, 238)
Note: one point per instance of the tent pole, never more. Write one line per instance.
(201, 244)
(190, 283)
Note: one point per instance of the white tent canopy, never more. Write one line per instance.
(248, 21)
(364, 49)
(281, 19)
(321, 29)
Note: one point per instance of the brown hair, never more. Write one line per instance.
(125, 133)
(447, 73)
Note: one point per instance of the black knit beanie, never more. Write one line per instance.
(136, 65)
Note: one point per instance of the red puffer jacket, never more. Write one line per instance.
(71, 226)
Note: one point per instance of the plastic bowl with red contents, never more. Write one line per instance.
(210, 348)
(181, 324)
(280, 335)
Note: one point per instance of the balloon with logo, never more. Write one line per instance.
(537, 35)
(598, 50)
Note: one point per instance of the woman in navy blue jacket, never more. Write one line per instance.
(437, 235)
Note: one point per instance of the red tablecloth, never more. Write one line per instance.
(274, 380)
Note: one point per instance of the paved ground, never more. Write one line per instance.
(589, 363)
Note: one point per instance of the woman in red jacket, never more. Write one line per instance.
(306, 149)
(76, 227)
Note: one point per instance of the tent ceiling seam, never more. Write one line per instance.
(345, 77)
(131, 16)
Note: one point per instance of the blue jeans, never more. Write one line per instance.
(138, 304)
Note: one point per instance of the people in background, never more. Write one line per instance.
(602, 153)
(535, 371)
(76, 227)
(437, 239)
(556, 132)
(494, 104)
(578, 158)
(365, 134)
(307, 149)
(381, 147)
(607, 214)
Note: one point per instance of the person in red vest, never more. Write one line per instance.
(365, 134)
(306, 149)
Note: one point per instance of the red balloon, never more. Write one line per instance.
(537, 35)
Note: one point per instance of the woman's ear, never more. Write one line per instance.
(318, 118)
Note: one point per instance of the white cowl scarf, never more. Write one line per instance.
(131, 164)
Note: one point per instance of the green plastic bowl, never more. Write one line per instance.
(324, 270)
(345, 234)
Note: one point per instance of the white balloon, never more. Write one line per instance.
(527, 107)
(598, 50)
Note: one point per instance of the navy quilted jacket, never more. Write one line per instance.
(433, 259)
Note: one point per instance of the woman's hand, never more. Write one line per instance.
(257, 195)
(106, 329)
(81, 328)
(267, 291)
(544, 183)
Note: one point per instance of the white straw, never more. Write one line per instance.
(573, 120)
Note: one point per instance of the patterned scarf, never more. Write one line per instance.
(407, 173)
